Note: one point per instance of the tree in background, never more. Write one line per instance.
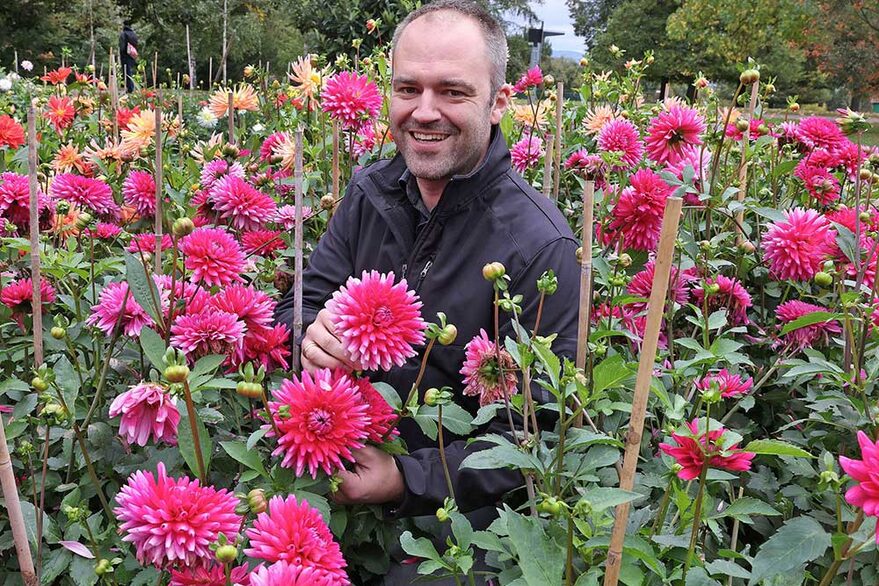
(590, 17)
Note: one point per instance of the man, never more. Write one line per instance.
(128, 55)
(447, 204)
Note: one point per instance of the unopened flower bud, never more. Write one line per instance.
(828, 266)
(823, 279)
(448, 335)
(62, 207)
(705, 245)
(248, 71)
(230, 150)
(327, 202)
(493, 271)
(763, 129)
(794, 107)
(442, 515)
(829, 477)
(58, 332)
(176, 373)
(548, 81)
(701, 83)
(431, 396)
(747, 246)
(749, 76)
(742, 125)
(584, 62)
(256, 500)
(103, 567)
(712, 289)
(580, 254)
(182, 227)
(865, 174)
(625, 260)
(226, 554)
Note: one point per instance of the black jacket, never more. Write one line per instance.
(490, 215)
(126, 37)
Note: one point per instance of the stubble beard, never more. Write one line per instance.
(457, 159)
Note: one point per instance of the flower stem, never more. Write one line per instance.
(190, 411)
(417, 382)
(442, 451)
(697, 506)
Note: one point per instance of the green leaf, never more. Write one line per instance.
(776, 448)
(248, 457)
(742, 508)
(142, 286)
(583, 438)
(847, 243)
(54, 564)
(486, 413)
(601, 497)
(809, 319)
(67, 380)
(205, 368)
(455, 418)
(800, 540)
(699, 577)
(461, 529)
(612, 372)
(50, 529)
(500, 457)
(390, 394)
(549, 360)
(541, 559)
(420, 548)
(727, 568)
(256, 436)
(186, 443)
(153, 347)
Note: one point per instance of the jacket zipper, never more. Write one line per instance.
(423, 274)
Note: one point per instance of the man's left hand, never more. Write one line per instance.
(375, 479)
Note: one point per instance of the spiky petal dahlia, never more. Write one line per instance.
(139, 191)
(808, 336)
(622, 136)
(526, 153)
(109, 309)
(382, 418)
(482, 370)
(727, 383)
(18, 295)
(217, 169)
(252, 306)
(147, 410)
(285, 574)
(351, 98)
(730, 295)
(320, 419)
(818, 132)
(60, 112)
(642, 284)
(87, 192)
(531, 78)
(11, 132)
(377, 321)
(637, 216)
(697, 447)
(244, 206)
(146, 242)
(208, 332)
(214, 575)
(244, 97)
(671, 131)
(213, 256)
(173, 521)
(294, 532)
(796, 247)
(864, 494)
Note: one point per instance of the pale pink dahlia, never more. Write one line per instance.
(147, 410)
(727, 383)
(146, 242)
(796, 247)
(808, 336)
(697, 447)
(377, 321)
(173, 521)
(286, 215)
(214, 575)
(818, 132)
(266, 150)
(526, 153)
(351, 98)
(252, 306)
(139, 191)
(622, 136)
(637, 216)
(217, 169)
(244, 206)
(286, 574)
(671, 131)
(482, 370)
(864, 494)
(213, 256)
(132, 317)
(208, 332)
(295, 532)
(321, 418)
(731, 295)
(93, 194)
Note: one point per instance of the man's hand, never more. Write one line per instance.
(375, 479)
(321, 348)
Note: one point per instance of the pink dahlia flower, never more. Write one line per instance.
(173, 521)
(589, 166)
(382, 418)
(244, 206)
(269, 347)
(147, 410)
(188, 297)
(351, 98)
(621, 136)
(850, 157)
(817, 132)
(15, 199)
(864, 494)
(18, 295)
(756, 129)
(482, 370)
(526, 153)
(286, 215)
(531, 78)
(819, 181)
(266, 150)
(320, 418)
(637, 216)
(214, 575)
(697, 448)
(217, 169)
(698, 158)
(295, 532)
(808, 336)
(253, 307)
(103, 231)
(377, 321)
(671, 131)
(213, 256)
(132, 317)
(729, 385)
(286, 574)
(642, 284)
(208, 332)
(93, 194)
(796, 247)
(263, 242)
(731, 296)
(139, 191)
(146, 242)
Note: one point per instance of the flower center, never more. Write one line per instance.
(320, 421)
(382, 316)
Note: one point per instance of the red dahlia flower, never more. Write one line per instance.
(697, 448)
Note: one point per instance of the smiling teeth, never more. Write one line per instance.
(428, 137)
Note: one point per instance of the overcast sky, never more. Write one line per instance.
(556, 18)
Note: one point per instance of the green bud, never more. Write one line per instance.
(548, 283)
(447, 335)
(493, 271)
(442, 515)
(103, 567)
(256, 500)
(226, 554)
(431, 396)
(58, 332)
(182, 227)
(823, 279)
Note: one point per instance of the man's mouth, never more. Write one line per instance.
(428, 137)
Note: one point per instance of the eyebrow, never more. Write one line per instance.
(453, 82)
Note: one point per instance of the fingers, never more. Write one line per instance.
(321, 348)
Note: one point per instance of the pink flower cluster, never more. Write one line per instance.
(489, 373)
(148, 411)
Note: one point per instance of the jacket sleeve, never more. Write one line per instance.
(422, 469)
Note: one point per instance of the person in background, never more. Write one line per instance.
(128, 55)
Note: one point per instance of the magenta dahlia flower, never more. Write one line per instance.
(817, 132)
(139, 191)
(590, 166)
(252, 306)
(637, 216)
(188, 297)
(103, 231)
(351, 98)
(727, 383)
(208, 332)
(244, 206)
(671, 131)
(377, 321)
(266, 150)
(213, 575)
(295, 532)
(642, 284)
(531, 78)
(697, 447)
(286, 574)
(15, 199)
(865, 493)
(213, 256)
(148, 411)
(173, 521)
(808, 336)
(146, 242)
(87, 192)
(382, 418)
(263, 242)
(217, 169)
(269, 347)
(796, 248)
(482, 370)
(526, 153)
(621, 136)
(320, 418)
(132, 317)
(731, 295)
(18, 295)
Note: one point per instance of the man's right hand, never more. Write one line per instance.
(321, 348)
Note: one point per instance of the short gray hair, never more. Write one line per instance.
(492, 31)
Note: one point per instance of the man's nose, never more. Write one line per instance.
(426, 110)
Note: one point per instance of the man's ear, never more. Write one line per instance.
(501, 102)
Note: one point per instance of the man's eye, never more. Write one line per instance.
(406, 90)
(455, 93)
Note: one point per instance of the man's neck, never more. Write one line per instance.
(431, 191)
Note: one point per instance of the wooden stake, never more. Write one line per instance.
(16, 61)
(231, 114)
(559, 110)
(16, 518)
(743, 164)
(585, 275)
(298, 229)
(210, 73)
(155, 69)
(36, 278)
(158, 225)
(190, 63)
(180, 106)
(547, 165)
(336, 171)
(114, 95)
(655, 311)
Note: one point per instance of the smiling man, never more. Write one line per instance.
(446, 205)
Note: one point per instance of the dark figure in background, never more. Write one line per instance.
(128, 55)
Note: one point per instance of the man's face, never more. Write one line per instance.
(441, 104)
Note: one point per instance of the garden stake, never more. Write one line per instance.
(189, 62)
(743, 166)
(559, 105)
(16, 62)
(155, 69)
(297, 238)
(231, 115)
(655, 310)
(114, 95)
(180, 106)
(735, 533)
(158, 225)
(13, 507)
(36, 303)
(547, 165)
(210, 72)
(335, 161)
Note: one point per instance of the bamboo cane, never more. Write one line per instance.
(190, 64)
(585, 275)
(547, 165)
(210, 72)
(231, 114)
(298, 229)
(159, 179)
(156, 69)
(114, 95)
(16, 518)
(37, 302)
(16, 62)
(336, 171)
(655, 310)
(743, 165)
(180, 106)
(557, 160)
